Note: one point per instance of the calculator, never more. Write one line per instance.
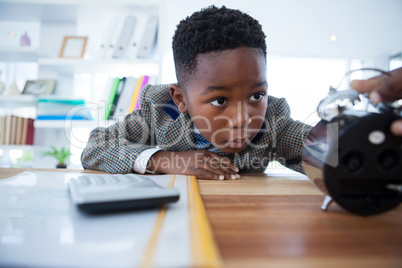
(96, 193)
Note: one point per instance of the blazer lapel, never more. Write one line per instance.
(176, 134)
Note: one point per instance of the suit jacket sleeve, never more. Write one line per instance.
(115, 148)
(290, 136)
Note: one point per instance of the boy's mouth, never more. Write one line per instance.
(238, 143)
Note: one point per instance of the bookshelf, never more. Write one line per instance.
(76, 78)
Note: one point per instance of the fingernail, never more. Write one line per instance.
(233, 176)
(221, 177)
(375, 97)
(238, 176)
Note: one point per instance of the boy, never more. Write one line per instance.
(217, 121)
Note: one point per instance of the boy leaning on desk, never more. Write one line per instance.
(218, 120)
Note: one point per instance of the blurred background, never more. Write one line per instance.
(311, 45)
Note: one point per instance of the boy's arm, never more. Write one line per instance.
(290, 136)
(114, 149)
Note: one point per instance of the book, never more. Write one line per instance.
(30, 132)
(24, 130)
(20, 127)
(8, 127)
(62, 109)
(125, 37)
(125, 98)
(2, 129)
(149, 37)
(112, 96)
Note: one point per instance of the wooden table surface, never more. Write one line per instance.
(275, 220)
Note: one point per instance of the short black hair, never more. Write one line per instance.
(213, 29)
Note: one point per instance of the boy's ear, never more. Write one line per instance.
(178, 97)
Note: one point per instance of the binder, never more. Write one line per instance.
(118, 93)
(136, 95)
(103, 99)
(135, 42)
(149, 37)
(112, 96)
(125, 37)
(144, 83)
(116, 27)
(107, 36)
(125, 98)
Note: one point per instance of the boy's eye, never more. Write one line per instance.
(257, 96)
(218, 102)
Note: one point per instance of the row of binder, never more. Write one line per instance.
(130, 37)
(122, 96)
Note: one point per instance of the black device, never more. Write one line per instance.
(352, 156)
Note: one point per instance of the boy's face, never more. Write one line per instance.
(226, 97)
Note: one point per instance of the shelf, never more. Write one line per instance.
(145, 66)
(21, 147)
(63, 124)
(16, 102)
(23, 99)
(19, 54)
(26, 100)
(84, 2)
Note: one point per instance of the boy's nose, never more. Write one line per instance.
(240, 117)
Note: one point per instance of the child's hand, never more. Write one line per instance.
(383, 88)
(200, 163)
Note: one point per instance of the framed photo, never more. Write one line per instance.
(39, 87)
(73, 47)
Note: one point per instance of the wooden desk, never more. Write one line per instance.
(275, 220)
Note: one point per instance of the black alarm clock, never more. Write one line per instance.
(352, 156)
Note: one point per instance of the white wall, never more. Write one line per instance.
(302, 60)
(365, 28)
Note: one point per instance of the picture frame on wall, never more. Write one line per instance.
(39, 87)
(73, 47)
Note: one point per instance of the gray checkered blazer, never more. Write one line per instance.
(159, 124)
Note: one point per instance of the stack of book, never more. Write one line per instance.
(122, 96)
(62, 109)
(16, 130)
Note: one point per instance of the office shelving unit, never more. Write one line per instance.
(76, 78)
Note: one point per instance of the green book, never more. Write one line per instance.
(112, 96)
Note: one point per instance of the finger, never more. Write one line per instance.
(201, 173)
(225, 163)
(213, 168)
(396, 128)
(366, 86)
(389, 92)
